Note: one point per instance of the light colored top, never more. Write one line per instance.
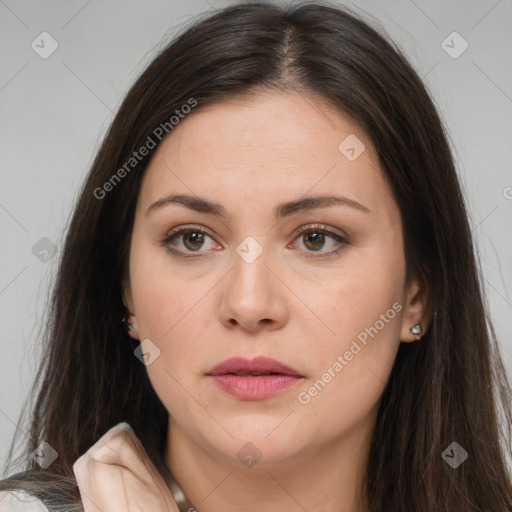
(20, 501)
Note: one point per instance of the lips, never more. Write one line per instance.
(253, 379)
(258, 366)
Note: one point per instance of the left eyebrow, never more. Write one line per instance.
(312, 203)
(203, 205)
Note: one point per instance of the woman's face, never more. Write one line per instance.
(331, 309)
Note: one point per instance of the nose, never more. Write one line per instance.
(253, 297)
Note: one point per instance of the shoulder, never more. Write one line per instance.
(20, 501)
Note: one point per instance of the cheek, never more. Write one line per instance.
(163, 298)
(354, 357)
(355, 301)
(174, 313)
(352, 375)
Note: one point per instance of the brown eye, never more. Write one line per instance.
(317, 238)
(193, 240)
(314, 240)
(185, 240)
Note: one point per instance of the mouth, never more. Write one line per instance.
(257, 367)
(253, 379)
(253, 374)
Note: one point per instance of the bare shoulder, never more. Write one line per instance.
(20, 501)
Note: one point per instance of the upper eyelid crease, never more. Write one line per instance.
(202, 205)
(191, 228)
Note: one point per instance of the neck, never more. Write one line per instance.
(321, 479)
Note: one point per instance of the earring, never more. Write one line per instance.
(128, 325)
(417, 330)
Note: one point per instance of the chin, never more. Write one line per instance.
(256, 436)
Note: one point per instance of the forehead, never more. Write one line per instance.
(266, 147)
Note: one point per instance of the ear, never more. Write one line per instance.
(417, 310)
(126, 291)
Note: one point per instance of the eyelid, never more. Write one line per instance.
(298, 231)
(340, 238)
(320, 227)
(189, 227)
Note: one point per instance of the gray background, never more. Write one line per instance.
(55, 111)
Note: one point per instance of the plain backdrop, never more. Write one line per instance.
(55, 110)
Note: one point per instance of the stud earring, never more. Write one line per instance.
(417, 329)
(128, 325)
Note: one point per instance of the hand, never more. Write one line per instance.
(116, 475)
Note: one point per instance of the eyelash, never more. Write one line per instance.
(316, 228)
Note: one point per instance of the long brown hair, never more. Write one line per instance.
(449, 387)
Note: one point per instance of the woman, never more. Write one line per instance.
(269, 289)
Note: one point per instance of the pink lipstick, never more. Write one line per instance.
(253, 379)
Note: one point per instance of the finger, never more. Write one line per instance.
(122, 447)
(101, 486)
(121, 451)
(132, 455)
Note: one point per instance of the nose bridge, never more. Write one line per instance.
(251, 295)
(250, 273)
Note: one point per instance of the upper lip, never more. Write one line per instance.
(261, 364)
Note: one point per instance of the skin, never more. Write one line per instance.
(250, 154)
(117, 474)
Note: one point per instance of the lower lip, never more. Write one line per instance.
(254, 388)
